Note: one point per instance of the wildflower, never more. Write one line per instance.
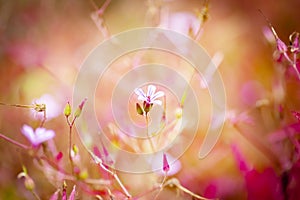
(151, 96)
(53, 109)
(37, 136)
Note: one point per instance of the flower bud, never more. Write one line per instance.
(281, 46)
(147, 106)
(29, 183)
(166, 166)
(67, 110)
(178, 113)
(80, 107)
(139, 109)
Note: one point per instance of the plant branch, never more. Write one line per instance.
(23, 146)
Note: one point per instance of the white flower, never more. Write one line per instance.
(151, 96)
(53, 109)
(38, 136)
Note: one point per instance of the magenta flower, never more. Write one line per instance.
(37, 136)
(151, 96)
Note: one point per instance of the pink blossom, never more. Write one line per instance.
(37, 136)
(149, 97)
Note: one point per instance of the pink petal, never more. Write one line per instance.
(43, 135)
(27, 131)
(55, 195)
(285, 132)
(241, 161)
(73, 193)
(281, 46)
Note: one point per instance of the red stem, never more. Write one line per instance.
(14, 142)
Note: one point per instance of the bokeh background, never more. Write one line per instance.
(44, 43)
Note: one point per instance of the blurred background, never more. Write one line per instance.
(44, 43)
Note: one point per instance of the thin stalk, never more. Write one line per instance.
(70, 142)
(161, 185)
(148, 134)
(111, 172)
(17, 105)
(35, 195)
(23, 146)
(292, 63)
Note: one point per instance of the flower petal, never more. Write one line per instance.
(151, 90)
(73, 193)
(157, 95)
(27, 131)
(158, 102)
(140, 93)
(43, 135)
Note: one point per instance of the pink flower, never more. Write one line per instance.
(37, 136)
(151, 96)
